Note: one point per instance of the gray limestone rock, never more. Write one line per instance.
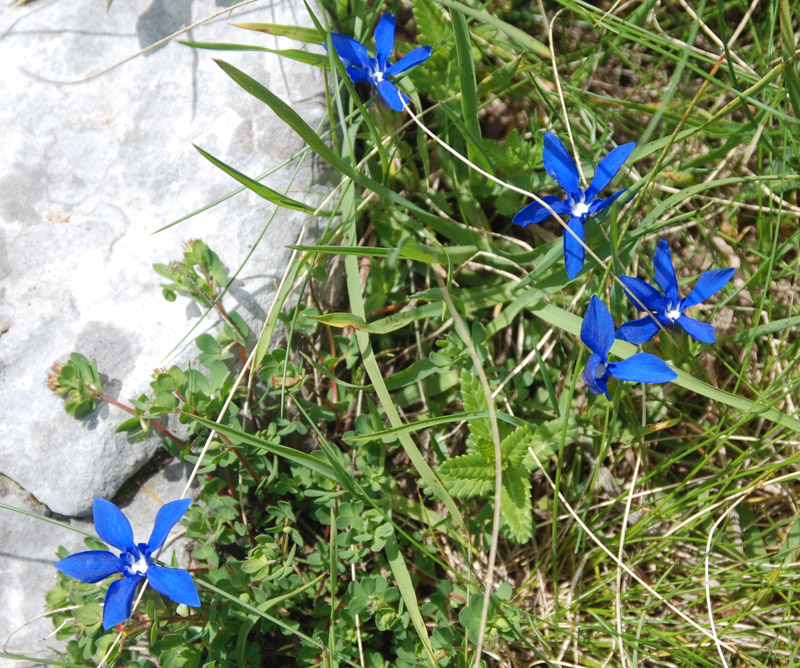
(90, 171)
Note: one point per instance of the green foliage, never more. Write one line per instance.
(473, 474)
(199, 274)
(325, 534)
(78, 382)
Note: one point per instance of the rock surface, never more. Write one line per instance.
(90, 171)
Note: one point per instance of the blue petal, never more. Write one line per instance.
(574, 252)
(166, 518)
(411, 59)
(708, 284)
(595, 385)
(597, 328)
(119, 599)
(111, 525)
(608, 168)
(91, 566)
(559, 165)
(665, 272)
(701, 331)
(391, 95)
(536, 213)
(642, 368)
(350, 50)
(174, 583)
(384, 38)
(649, 298)
(600, 204)
(638, 331)
(356, 75)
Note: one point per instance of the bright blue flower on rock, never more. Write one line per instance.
(361, 67)
(134, 561)
(579, 204)
(668, 308)
(597, 332)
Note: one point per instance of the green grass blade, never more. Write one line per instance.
(788, 47)
(299, 33)
(516, 35)
(306, 57)
(289, 454)
(572, 324)
(259, 188)
(404, 583)
(293, 119)
(469, 89)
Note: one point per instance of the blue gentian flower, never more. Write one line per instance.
(597, 332)
(134, 561)
(668, 309)
(361, 67)
(579, 204)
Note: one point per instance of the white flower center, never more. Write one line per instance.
(140, 566)
(600, 370)
(378, 77)
(672, 312)
(580, 209)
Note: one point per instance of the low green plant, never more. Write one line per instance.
(421, 476)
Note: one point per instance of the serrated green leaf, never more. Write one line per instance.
(468, 475)
(432, 25)
(514, 447)
(516, 505)
(474, 400)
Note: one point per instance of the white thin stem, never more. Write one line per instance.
(623, 530)
(561, 95)
(616, 560)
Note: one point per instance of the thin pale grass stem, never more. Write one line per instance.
(525, 361)
(707, 579)
(623, 659)
(614, 558)
(560, 92)
(758, 485)
(789, 210)
(713, 37)
(498, 465)
(358, 625)
(39, 616)
(14, 6)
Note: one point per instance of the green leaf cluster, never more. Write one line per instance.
(473, 473)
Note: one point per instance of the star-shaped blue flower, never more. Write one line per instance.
(579, 204)
(134, 561)
(669, 308)
(361, 67)
(597, 332)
